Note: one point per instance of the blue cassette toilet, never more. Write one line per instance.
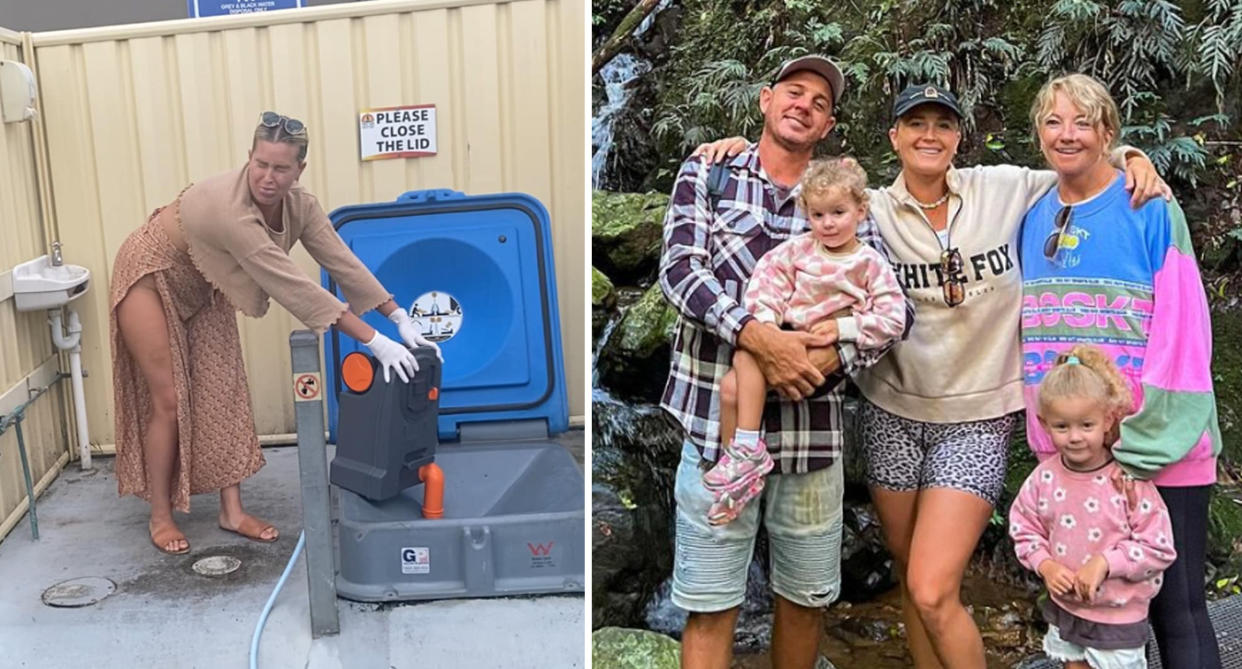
(476, 275)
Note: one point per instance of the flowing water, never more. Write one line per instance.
(617, 74)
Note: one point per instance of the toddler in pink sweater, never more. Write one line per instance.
(1100, 552)
(824, 281)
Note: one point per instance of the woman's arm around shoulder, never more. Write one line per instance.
(1148, 548)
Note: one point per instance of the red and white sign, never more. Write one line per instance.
(397, 132)
(306, 387)
(541, 555)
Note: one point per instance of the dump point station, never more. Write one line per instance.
(450, 485)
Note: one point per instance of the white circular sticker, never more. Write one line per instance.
(438, 315)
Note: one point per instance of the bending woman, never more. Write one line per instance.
(183, 418)
(940, 408)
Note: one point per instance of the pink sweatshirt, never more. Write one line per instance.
(1069, 516)
(800, 283)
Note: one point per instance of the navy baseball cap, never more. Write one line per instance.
(819, 65)
(922, 94)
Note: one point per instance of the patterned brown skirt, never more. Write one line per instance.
(217, 443)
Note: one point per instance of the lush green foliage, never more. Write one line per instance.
(1172, 66)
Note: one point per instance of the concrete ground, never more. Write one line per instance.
(164, 614)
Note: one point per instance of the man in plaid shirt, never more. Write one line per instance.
(711, 246)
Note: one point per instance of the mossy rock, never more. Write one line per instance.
(603, 300)
(622, 648)
(634, 360)
(626, 233)
(603, 293)
(647, 327)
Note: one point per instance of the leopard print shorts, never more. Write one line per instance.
(904, 454)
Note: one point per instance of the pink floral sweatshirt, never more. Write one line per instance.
(1070, 516)
(801, 283)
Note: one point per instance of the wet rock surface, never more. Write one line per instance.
(633, 362)
(626, 232)
(603, 301)
(635, 451)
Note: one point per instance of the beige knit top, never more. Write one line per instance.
(235, 249)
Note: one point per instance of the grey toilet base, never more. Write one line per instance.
(513, 524)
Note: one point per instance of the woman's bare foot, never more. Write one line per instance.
(167, 538)
(248, 526)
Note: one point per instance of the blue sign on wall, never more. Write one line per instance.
(200, 8)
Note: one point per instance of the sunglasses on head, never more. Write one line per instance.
(954, 286)
(291, 126)
(1053, 242)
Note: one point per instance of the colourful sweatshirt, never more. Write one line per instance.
(1127, 282)
(1068, 517)
(801, 283)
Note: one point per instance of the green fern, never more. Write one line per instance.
(1214, 46)
(992, 53)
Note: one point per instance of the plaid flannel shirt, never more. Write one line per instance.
(707, 259)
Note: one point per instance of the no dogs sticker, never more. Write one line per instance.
(306, 387)
(438, 315)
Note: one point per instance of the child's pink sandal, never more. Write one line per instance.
(736, 465)
(730, 503)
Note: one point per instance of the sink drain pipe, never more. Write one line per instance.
(73, 344)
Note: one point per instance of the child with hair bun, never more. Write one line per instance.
(824, 281)
(1100, 552)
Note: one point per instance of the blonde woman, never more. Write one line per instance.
(183, 419)
(1084, 247)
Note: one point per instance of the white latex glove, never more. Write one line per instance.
(409, 331)
(393, 355)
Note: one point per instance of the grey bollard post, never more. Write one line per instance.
(308, 393)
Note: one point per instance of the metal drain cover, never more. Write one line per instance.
(78, 592)
(217, 565)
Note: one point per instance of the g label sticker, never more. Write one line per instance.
(415, 560)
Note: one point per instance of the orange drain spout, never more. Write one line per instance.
(433, 494)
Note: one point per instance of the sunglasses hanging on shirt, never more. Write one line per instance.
(954, 286)
(1053, 243)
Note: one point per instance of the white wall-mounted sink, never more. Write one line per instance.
(38, 284)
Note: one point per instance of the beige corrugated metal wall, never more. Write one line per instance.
(27, 357)
(135, 113)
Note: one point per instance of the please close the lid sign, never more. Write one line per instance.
(397, 132)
